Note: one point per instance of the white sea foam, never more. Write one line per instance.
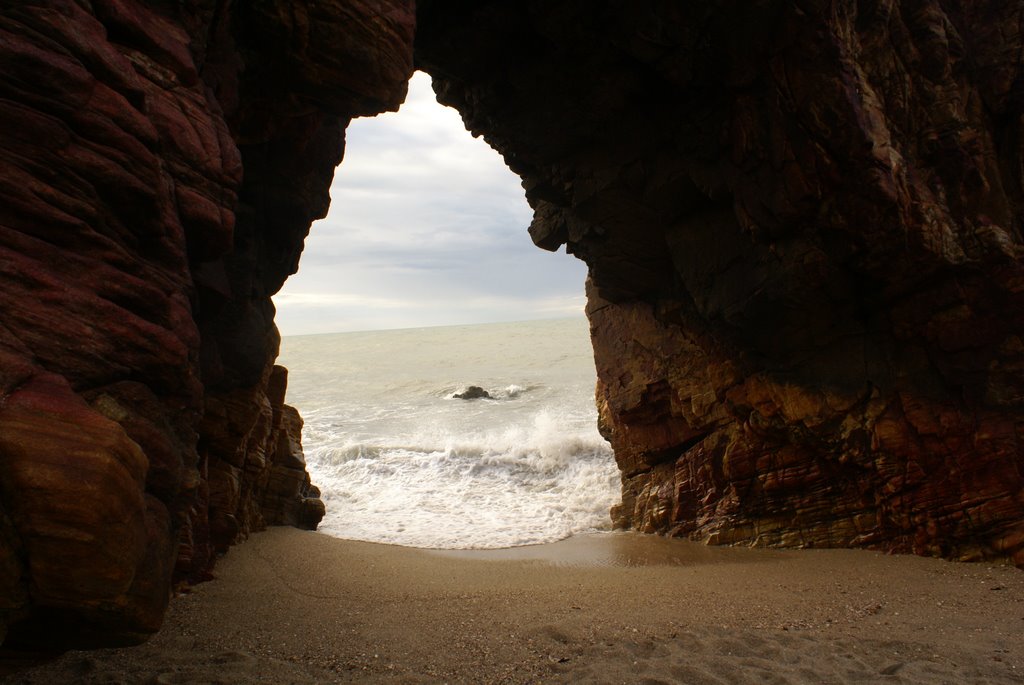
(399, 462)
(510, 488)
(514, 390)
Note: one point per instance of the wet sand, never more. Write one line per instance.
(296, 607)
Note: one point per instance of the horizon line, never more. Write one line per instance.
(580, 315)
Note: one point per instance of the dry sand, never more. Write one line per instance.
(295, 607)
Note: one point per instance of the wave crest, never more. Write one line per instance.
(520, 485)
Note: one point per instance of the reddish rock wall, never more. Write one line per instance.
(803, 227)
(160, 163)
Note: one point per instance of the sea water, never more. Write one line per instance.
(400, 460)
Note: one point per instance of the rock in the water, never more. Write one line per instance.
(473, 392)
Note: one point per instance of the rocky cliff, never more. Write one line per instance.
(803, 227)
(801, 218)
(160, 164)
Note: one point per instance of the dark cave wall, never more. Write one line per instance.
(802, 222)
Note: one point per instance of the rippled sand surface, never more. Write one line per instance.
(295, 607)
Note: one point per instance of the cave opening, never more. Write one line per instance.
(421, 282)
(426, 228)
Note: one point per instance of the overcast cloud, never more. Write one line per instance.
(427, 227)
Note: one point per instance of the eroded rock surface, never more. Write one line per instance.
(803, 227)
(473, 392)
(160, 164)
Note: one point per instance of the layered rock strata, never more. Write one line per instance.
(160, 163)
(803, 227)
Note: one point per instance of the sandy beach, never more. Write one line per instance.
(297, 607)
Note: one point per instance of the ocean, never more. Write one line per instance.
(400, 460)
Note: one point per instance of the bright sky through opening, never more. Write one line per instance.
(427, 228)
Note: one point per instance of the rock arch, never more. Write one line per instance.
(802, 222)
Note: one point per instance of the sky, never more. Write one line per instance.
(427, 227)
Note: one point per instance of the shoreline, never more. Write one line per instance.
(301, 607)
(614, 548)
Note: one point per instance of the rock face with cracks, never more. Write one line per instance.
(160, 164)
(802, 222)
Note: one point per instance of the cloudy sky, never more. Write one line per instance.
(427, 228)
